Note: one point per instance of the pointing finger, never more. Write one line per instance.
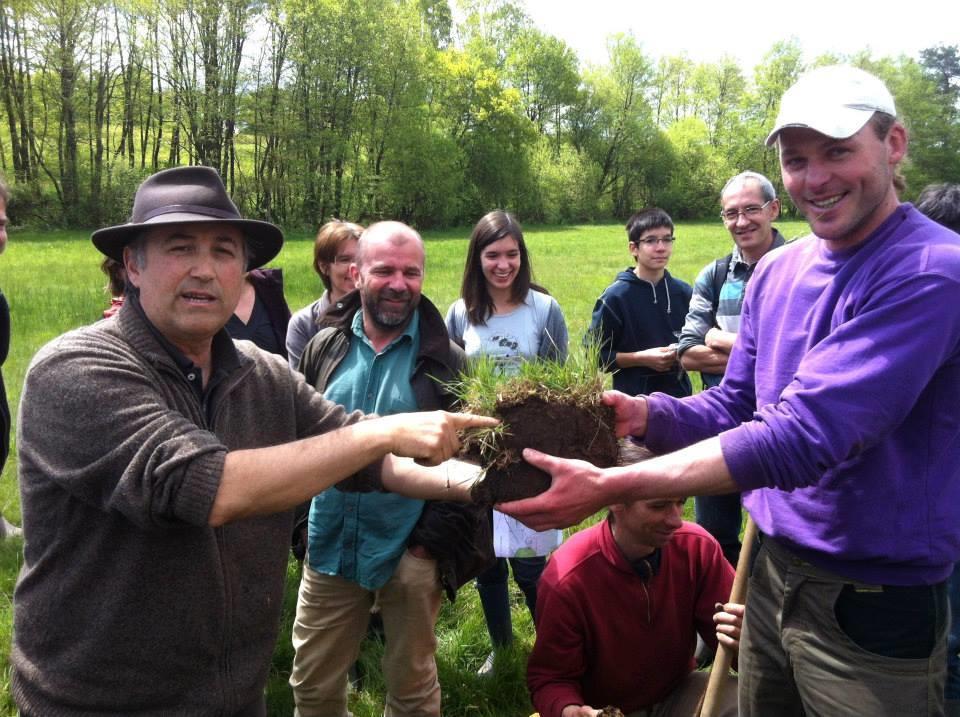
(472, 420)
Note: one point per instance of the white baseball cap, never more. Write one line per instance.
(835, 101)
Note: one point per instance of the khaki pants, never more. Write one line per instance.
(331, 621)
(796, 659)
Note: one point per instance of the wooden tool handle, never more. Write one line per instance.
(709, 705)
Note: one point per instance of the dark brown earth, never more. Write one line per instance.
(560, 429)
(609, 712)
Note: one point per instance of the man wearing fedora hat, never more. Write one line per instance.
(159, 464)
(836, 419)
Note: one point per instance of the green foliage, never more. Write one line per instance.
(701, 169)
(366, 109)
(562, 186)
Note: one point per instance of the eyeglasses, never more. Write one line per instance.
(653, 241)
(751, 212)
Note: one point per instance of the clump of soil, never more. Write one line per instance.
(562, 426)
(609, 711)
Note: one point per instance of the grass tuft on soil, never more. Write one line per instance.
(551, 406)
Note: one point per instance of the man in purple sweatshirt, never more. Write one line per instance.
(837, 419)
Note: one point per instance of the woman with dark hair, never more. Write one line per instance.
(502, 315)
(334, 250)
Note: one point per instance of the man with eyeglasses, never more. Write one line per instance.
(749, 206)
(837, 418)
(637, 319)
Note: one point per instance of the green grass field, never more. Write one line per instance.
(53, 283)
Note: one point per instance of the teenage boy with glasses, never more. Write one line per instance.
(637, 319)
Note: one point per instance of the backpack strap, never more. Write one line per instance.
(720, 269)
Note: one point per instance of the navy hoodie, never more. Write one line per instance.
(631, 315)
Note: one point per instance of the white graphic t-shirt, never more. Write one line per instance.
(511, 339)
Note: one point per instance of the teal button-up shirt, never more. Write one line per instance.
(361, 536)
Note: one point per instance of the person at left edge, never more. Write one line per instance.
(159, 462)
(7, 529)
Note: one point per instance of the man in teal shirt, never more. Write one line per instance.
(381, 352)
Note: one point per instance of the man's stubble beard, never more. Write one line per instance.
(389, 319)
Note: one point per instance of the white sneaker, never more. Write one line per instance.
(9, 530)
(486, 669)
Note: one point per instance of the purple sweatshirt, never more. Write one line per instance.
(839, 415)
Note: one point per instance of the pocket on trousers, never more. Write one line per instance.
(897, 622)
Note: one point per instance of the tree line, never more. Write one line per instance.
(361, 109)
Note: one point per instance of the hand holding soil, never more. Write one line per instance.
(575, 493)
(630, 413)
(578, 490)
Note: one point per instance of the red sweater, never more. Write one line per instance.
(604, 637)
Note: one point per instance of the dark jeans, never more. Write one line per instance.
(492, 586)
(720, 516)
(258, 708)
(953, 639)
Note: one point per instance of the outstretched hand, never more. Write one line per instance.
(630, 413)
(577, 491)
(431, 437)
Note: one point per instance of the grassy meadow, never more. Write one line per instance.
(53, 283)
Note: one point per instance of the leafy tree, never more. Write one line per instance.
(929, 115)
(16, 88)
(437, 19)
(614, 123)
(942, 65)
(544, 70)
(397, 108)
(700, 171)
(486, 120)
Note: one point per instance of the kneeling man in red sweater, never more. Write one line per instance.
(619, 608)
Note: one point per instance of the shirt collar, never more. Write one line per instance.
(223, 356)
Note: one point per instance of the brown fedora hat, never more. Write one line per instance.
(181, 196)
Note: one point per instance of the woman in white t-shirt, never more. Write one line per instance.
(502, 314)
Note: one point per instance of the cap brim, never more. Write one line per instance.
(838, 123)
(264, 240)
